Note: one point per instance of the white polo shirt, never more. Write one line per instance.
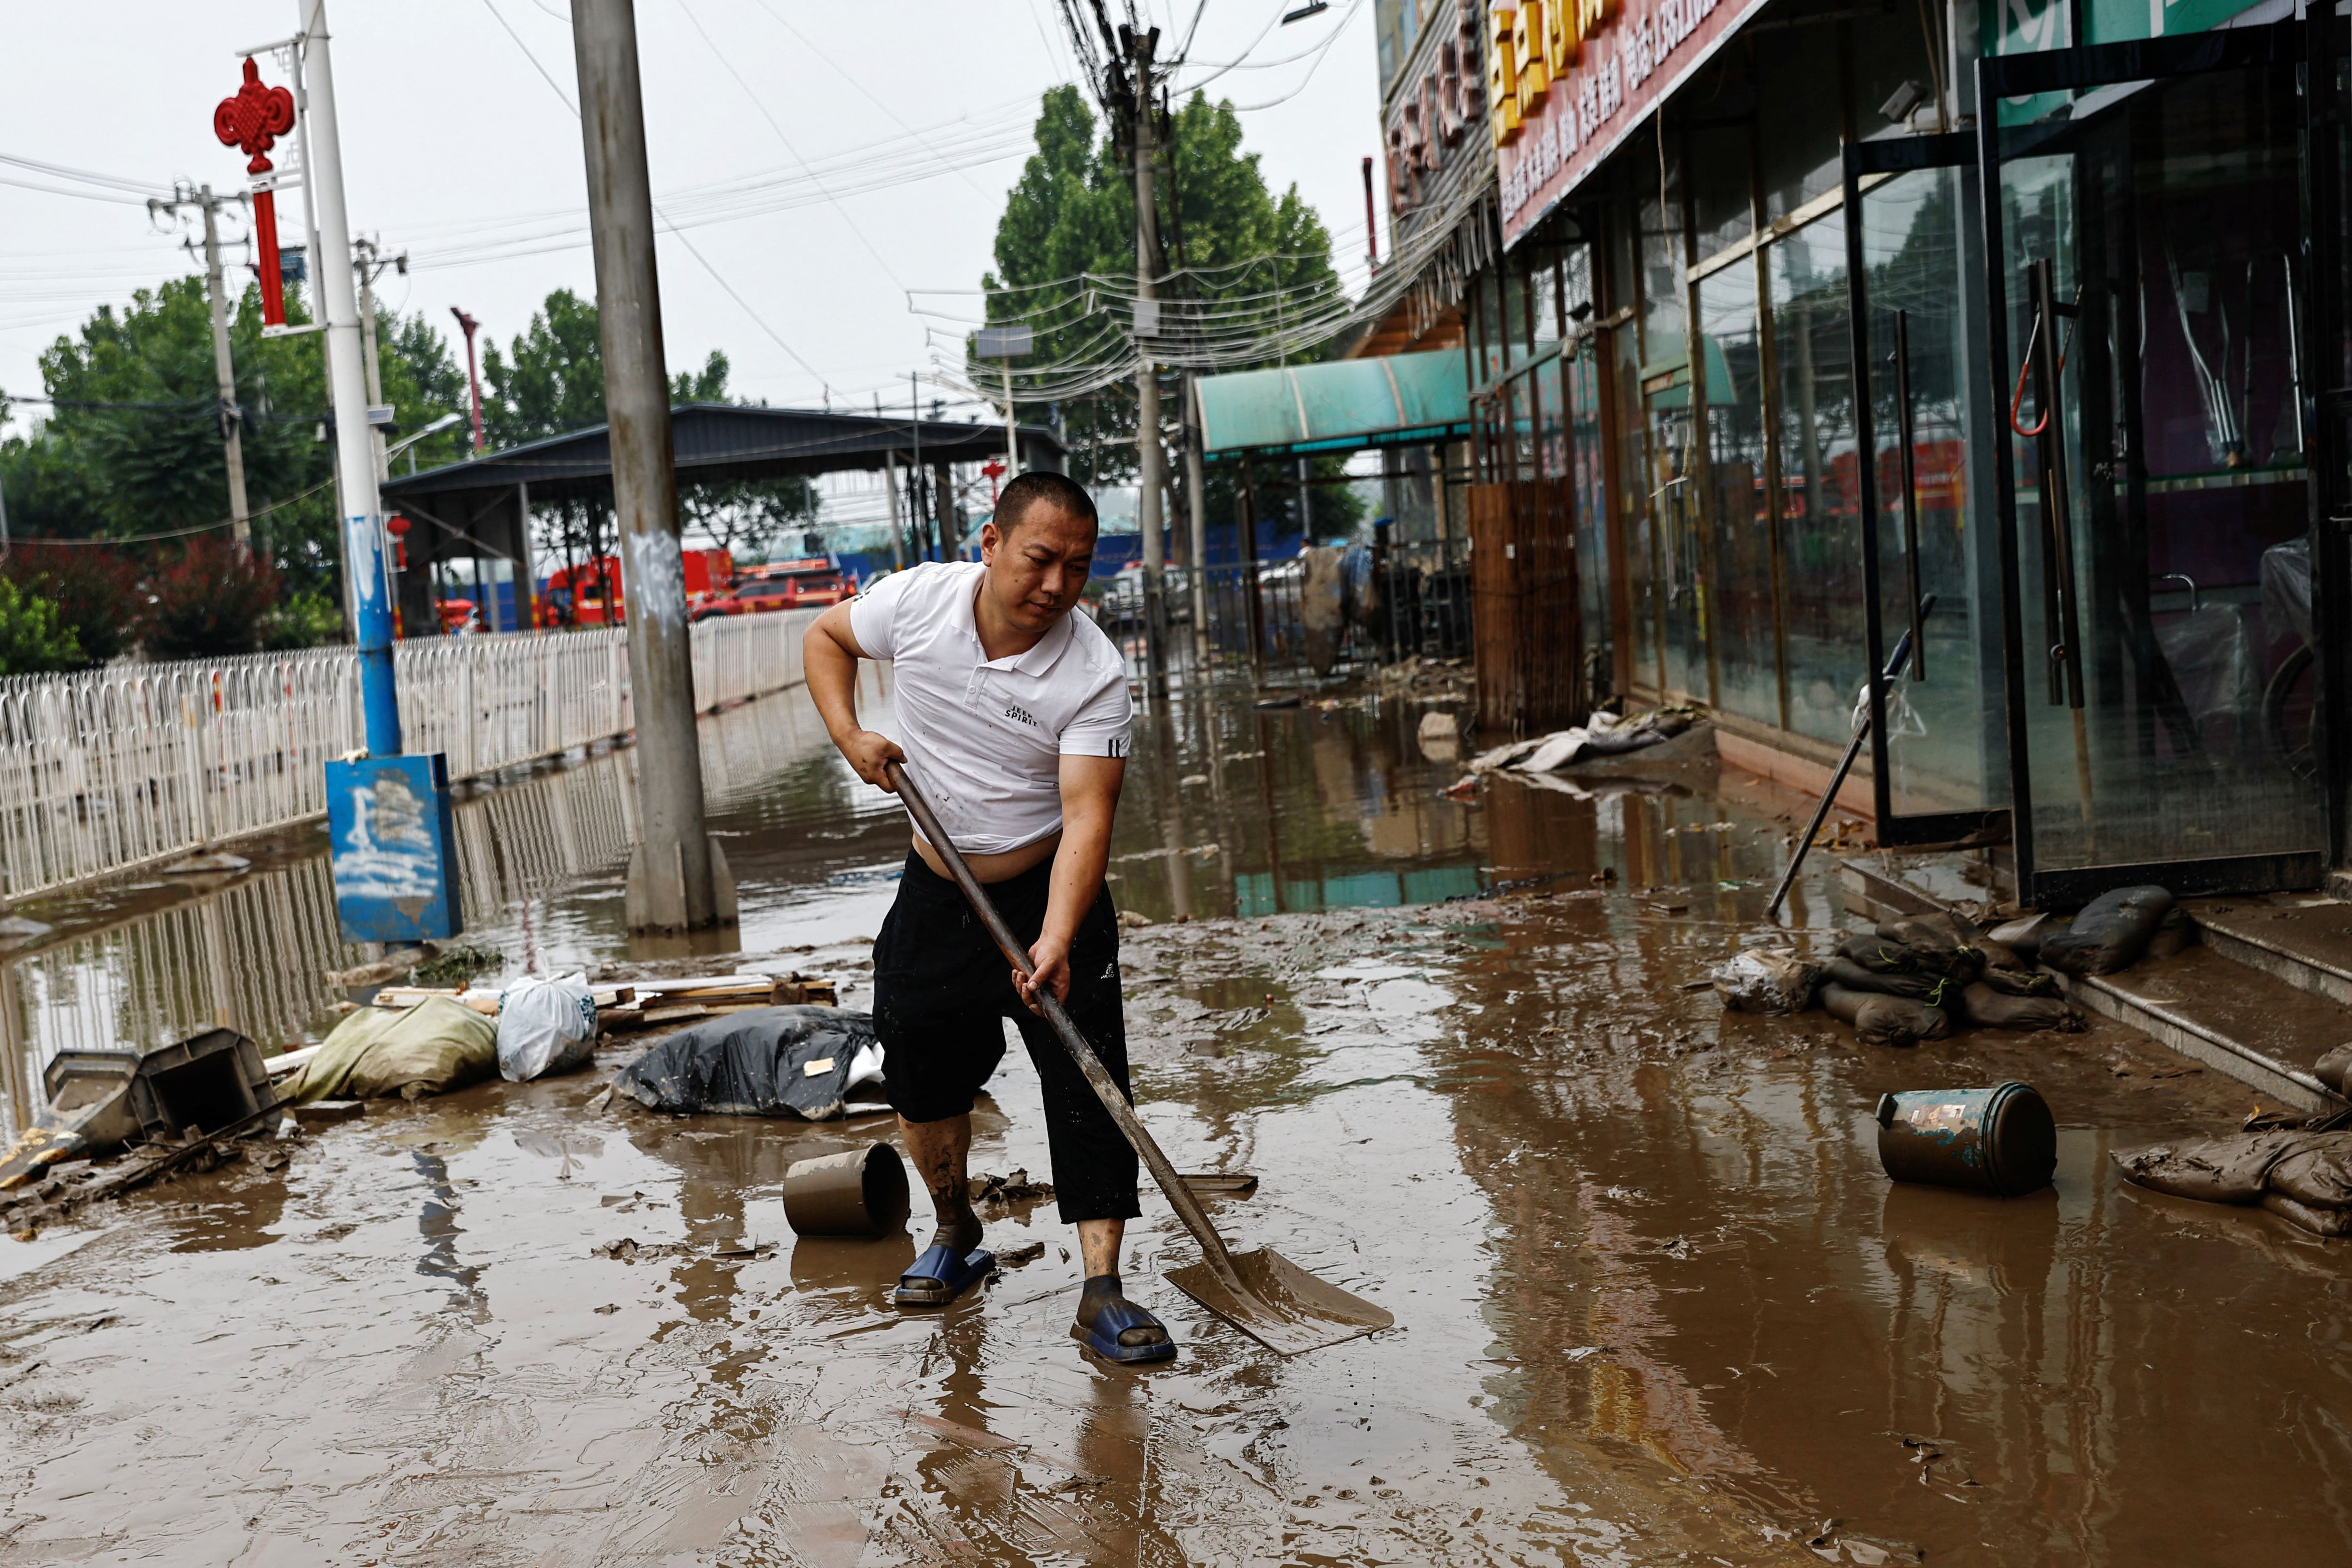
(985, 736)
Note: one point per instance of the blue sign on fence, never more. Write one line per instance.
(394, 845)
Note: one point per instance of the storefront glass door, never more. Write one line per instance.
(1940, 737)
(2148, 279)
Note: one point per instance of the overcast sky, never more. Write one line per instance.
(457, 148)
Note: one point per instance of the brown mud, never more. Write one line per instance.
(1655, 1302)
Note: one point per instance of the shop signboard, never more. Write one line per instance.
(1567, 80)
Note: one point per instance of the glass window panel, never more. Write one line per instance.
(1720, 208)
(1582, 373)
(1814, 438)
(1742, 619)
(1543, 274)
(1802, 158)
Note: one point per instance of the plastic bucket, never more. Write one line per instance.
(2001, 1139)
(862, 1191)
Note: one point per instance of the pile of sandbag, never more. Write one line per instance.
(2302, 1173)
(1909, 979)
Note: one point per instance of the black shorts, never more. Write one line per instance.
(941, 991)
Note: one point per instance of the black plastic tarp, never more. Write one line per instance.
(769, 1061)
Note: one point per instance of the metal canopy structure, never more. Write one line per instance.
(479, 509)
(1345, 405)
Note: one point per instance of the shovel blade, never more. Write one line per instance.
(1281, 1305)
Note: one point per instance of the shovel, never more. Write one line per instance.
(1261, 1293)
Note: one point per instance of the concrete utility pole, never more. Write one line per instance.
(371, 267)
(232, 418)
(677, 878)
(1151, 476)
(366, 551)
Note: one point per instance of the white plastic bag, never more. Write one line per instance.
(544, 1027)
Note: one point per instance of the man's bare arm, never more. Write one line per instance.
(829, 655)
(1089, 801)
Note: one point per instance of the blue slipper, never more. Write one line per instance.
(939, 1277)
(1115, 1317)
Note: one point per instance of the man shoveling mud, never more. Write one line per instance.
(1015, 717)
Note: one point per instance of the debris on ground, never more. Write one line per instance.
(433, 1047)
(1769, 980)
(797, 1061)
(989, 1191)
(95, 1102)
(546, 1027)
(653, 1002)
(1604, 734)
(456, 966)
(1880, 1019)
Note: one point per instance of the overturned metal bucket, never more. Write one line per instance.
(862, 1191)
(2000, 1141)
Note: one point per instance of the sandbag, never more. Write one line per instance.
(1918, 987)
(1996, 1009)
(768, 1061)
(2335, 1068)
(545, 1026)
(2173, 932)
(1929, 955)
(2304, 1177)
(2110, 933)
(1882, 1020)
(437, 1046)
(1770, 980)
(1940, 942)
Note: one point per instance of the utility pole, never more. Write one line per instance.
(677, 878)
(1150, 477)
(232, 418)
(366, 552)
(466, 324)
(371, 265)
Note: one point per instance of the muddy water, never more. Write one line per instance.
(1654, 1303)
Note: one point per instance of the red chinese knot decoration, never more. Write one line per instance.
(252, 120)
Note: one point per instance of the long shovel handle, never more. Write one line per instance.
(1188, 1208)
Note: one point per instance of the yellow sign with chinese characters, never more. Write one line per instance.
(1530, 46)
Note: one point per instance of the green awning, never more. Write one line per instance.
(1341, 407)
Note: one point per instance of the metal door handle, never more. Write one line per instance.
(2063, 613)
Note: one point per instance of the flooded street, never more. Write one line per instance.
(1655, 1302)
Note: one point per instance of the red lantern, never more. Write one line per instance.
(252, 122)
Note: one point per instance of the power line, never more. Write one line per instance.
(681, 239)
(756, 102)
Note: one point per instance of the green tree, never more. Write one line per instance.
(34, 638)
(1073, 212)
(131, 445)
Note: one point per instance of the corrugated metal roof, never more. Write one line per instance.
(1338, 406)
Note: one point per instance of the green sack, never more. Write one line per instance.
(437, 1046)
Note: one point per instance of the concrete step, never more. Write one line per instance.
(2238, 1020)
(2301, 938)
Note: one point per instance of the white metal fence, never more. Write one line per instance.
(109, 769)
